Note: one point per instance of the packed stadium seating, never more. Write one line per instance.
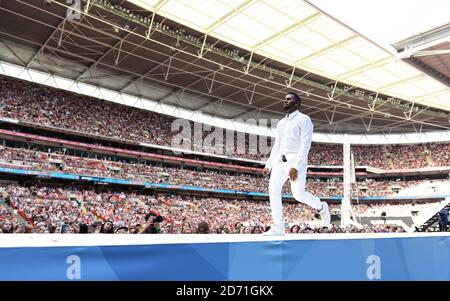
(56, 209)
(52, 208)
(43, 105)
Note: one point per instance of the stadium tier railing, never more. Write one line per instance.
(173, 187)
(194, 162)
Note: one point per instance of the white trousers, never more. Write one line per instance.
(278, 176)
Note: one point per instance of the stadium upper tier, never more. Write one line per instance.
(33, 103)
(161, 63)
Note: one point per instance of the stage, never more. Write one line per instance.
(368, 256)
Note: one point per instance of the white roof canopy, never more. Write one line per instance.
(298, 34)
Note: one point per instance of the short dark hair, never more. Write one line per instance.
(203, 228)
(83, 228)
(297, 98)
(120, 228)
(156, 218)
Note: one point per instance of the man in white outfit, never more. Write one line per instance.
(289, 159)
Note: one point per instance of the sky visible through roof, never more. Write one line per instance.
(388, 21)
(299, 35)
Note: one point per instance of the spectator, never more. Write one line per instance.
(122, 230)
(152, 223)
(107, 228)
(8, 227)
(20, 228)
(295, 229)
(203, 228)
(443, 220)
(83, 228)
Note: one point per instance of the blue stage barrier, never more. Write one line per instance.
(225, 257)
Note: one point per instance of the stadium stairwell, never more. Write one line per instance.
(431, 221)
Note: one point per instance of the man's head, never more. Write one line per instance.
(58, 229)
(155, 217)
(83, 228)
(291, 102)
(122, 230)
(20, 228)
(203, 228)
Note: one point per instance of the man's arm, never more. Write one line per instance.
(305, 143)
(274, 154)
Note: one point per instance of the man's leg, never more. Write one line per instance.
(300, 195)
(277, 179)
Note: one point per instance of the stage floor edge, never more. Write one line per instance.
(359, 256)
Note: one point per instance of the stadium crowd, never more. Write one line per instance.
(403, 156)
(57, 161)
(33, 103)
(57, 209)
(45, 208)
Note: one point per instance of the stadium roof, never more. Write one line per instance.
(193, 58)
(385, 21)
(300, 35)
(429, 51)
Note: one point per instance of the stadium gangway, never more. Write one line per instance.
(435, 218)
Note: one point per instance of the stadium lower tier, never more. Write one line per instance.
(362, 257)
(71, 207)
(117, 170)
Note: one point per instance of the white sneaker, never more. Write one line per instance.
(274, 231)
(325, 215)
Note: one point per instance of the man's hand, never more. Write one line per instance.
(146, 225)
(293, 174)
(266, 171)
